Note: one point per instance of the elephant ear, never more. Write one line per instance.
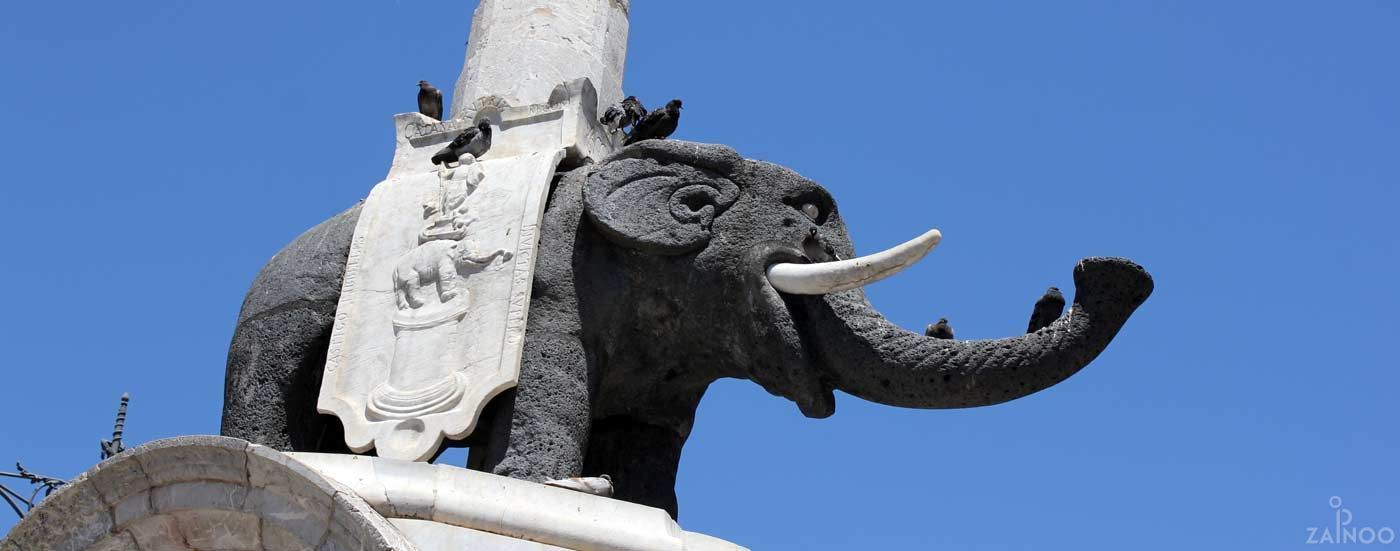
(661, 196)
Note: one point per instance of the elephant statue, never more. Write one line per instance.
(653, 281)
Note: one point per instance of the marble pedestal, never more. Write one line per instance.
(442, 505)
(214, 492)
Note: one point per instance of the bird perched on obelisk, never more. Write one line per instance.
(429, 100)
(596, 485)
(940, 330)
(1047, 309)
(658, 124)
(623, 114)
(476, 140)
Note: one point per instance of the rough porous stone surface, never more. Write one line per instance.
(650, 284)
(202, 492)
(280, 343)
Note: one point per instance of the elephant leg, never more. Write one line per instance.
(642, 459)
(548, 418)
(401, 288)
(413, 289)
(447, 279)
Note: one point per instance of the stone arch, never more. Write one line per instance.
(203, 492)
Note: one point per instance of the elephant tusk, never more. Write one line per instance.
(832, 277)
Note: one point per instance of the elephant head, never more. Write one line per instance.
(670, 265)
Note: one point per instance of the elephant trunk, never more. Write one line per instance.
(864, 354)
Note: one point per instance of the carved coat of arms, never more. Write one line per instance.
(431, 319)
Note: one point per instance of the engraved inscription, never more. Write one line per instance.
(416, 130)
(343, 312)
(520, 285)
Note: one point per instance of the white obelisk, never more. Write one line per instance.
(519, 50)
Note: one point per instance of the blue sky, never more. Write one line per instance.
(157, 154)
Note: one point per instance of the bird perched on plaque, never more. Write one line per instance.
(1047, 309)
(429, 100)
(476, 140)
(596, 485)
(658, 124)
(623, 114)
(940, 330)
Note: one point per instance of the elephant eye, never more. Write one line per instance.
(811, 211)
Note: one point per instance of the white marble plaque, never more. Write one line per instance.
(431, 320)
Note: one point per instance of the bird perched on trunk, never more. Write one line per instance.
(429, 100)
(596, 485)
(623, 114)
(1047, 309)
(940, 330)
(658, 124)
(476, 141)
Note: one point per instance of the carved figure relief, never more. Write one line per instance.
(437, 270)
(431, 318)
(431, 292)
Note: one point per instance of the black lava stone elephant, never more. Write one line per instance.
(652, 282)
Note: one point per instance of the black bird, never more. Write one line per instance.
(476, 141)
(623, 114)
(1047, 309)
(633, 107)
(429, 100)
(940, 330)
(613, 118)
(657, 124)
(454, 150)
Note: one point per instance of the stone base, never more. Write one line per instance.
(203, 492)
(213, 492)
(519, 510)
(436, 535)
